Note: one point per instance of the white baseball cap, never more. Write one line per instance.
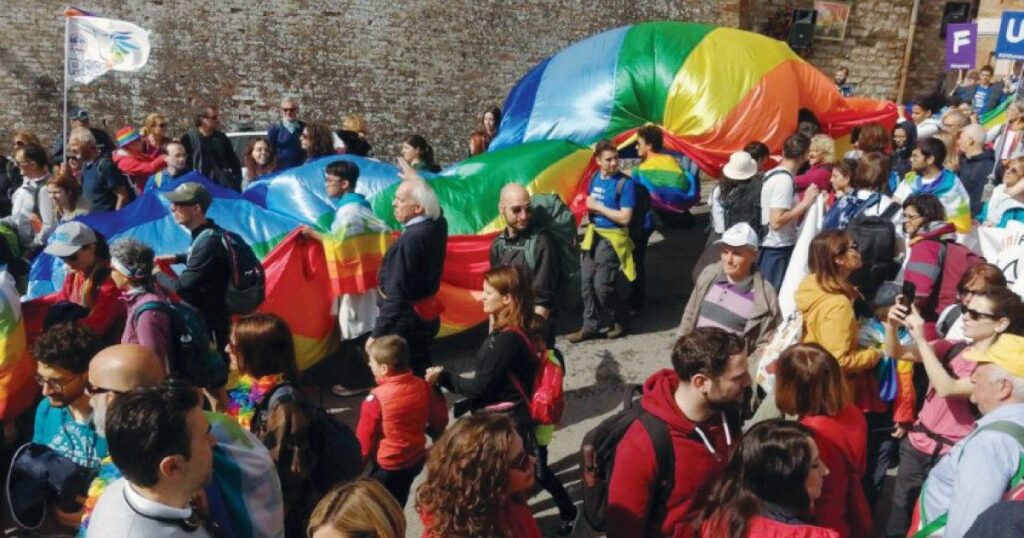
(740, 235)
(68, 238)
(741, 166)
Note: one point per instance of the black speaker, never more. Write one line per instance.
(953, 13)
(801, 29)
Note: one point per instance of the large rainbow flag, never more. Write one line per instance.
(712, 90)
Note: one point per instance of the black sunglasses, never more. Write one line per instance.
(93, 390)
(974, 315)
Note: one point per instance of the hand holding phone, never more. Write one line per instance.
(908, 294)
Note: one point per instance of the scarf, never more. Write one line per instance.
(246, 396)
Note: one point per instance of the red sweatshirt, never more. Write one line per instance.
(395, 418)
(635, 467)
(138, 167)
(842, 442)
(107, 311)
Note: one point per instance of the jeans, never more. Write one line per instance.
(914, 468)
(773, 262)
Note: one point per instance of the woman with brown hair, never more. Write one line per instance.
(479, 475)
(769, 488)
(66, 195)
(809, 384)
(259, 160)
(359, 508)
(317, 141)
(266, 401)
(871, 138)
(507, 358)
(154, 135)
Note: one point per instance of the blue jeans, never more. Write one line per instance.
(772, 263)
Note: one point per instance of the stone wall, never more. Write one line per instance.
(426, 66)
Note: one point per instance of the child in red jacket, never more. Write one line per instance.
(396, 416)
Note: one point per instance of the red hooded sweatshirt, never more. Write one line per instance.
(842, 442)
(699, 461)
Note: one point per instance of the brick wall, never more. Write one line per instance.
(425, 66)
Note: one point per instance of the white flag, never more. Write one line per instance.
(97, 45)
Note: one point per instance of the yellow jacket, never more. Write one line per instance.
(830, 322)
(619, 239)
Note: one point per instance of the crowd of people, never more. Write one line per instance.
(171, 407)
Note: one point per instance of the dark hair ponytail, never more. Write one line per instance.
(426, 152)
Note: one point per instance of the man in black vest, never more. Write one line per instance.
(513, 247)
(410, 274)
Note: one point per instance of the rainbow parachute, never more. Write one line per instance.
(712, 90)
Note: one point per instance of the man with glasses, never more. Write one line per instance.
(244, 476)
(64, 418)
(284, 135)
(929, 177)
(211, 151)
(103, 184)
(954, 121)
(526, 246)
(79, 118)
(357, 312)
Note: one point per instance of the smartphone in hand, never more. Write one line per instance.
(908, 294)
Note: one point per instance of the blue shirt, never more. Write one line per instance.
(603, 189)
(77, 441)
(980, 97)
(99, 179)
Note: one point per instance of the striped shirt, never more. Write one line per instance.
(728, 306)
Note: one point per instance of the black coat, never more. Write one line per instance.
(410, 272)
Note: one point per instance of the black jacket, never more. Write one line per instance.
(502, 353)
(214, 157)
(204, 282)
(410, 271)
(974, 172)
(506, 252)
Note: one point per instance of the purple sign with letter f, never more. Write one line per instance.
(961, 45)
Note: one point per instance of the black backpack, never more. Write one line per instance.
(192, 355)
(641, 207)
(597, 455)
(332, 449)
(876, 241)
(743, 204)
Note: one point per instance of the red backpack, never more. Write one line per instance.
(548, 400)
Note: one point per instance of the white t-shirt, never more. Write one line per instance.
(717, 211)
(777, 193)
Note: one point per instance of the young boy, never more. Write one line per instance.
(395, 417)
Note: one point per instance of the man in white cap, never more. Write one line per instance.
(731, 294)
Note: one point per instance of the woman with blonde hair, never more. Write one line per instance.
(479, 476)
(820, 157)
(952, 161)
(154, 135)
(359, 508)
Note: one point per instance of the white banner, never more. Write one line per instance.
(1004, 247)
(797, 269)
(96, 45)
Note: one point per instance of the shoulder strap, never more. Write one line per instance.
(953, 351)
(890, 211)
(533, 353)
(159, 306)
(1005, 426)
(619, 185)
(263, 404)
(664, 455)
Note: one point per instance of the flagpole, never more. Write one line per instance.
(64, 140)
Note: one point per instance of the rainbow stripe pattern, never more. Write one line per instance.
(712, 90)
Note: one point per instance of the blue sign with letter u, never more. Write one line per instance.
(1011, 36)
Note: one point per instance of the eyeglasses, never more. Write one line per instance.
(517, 209)
(522, 462)
(164, 125)
(289, 109)
(974, 315)
(55, 384)
(93, 390)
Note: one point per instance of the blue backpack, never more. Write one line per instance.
(192, 354)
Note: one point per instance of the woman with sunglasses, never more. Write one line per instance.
(1007, 201)
(946, 416)
(479, 476)
(154, 135)
(87, 284)
(317, 141)
(978, 280)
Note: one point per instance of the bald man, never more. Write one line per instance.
(527, 246)
(245, 495)
(977, 164)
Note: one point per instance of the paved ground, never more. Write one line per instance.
(597, 370)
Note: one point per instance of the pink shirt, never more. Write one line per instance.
(951, 418)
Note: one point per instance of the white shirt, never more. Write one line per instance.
(717, 211)
(23, 203)
(121, 511)
(777, 193)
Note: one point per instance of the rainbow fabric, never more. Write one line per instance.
(126, 135)
(246, 396)
(18, 391)
(711, 89)
(996, 116)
